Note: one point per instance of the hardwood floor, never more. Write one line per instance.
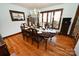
(19, 47)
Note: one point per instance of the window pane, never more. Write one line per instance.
(57, 16)
(49, 17)
(40, 19)
(44, 17)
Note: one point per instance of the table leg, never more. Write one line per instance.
(46, 44)
(38, 45)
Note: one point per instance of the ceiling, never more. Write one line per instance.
(36, 5)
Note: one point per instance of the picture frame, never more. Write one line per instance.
(17, 15)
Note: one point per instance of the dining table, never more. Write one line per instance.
(46, 33)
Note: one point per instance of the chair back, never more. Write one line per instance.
(34, 32)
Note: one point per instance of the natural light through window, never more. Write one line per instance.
(40, 19)
(49, 17)
(56, 19)
(44, 17)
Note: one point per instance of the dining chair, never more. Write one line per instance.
(24, 32)
(27, 34)
(36, 37)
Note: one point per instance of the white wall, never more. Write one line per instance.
(69, 10)
(7, 26)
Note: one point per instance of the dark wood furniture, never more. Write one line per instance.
(28, 33)
(25, 33)
(3, 49)
(22, 30)
(36, 37)
(47, 35)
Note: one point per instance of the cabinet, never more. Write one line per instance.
(3, 49)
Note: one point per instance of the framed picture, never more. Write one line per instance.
(17, 15)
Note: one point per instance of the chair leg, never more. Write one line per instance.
(37, 45)
(27, 39)
(32, 41)
(45, 44)
(23, 37)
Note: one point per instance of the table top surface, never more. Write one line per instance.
(44, 32)
(40, 30)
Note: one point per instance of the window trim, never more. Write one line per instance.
(53, 16)
(51, 10)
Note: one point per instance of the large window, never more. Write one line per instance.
(52, 17)
(44, 19)
(49, 17)
(57, 16)
(40, 19)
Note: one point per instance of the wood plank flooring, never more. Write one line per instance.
(17, 46)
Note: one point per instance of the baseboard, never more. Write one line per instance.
(11, 35)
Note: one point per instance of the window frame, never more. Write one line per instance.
(53, 16)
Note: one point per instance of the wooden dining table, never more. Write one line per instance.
(46, 33)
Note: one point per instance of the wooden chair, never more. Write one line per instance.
(28, 33)
(36, 37)
(24, 32)
(3, 48)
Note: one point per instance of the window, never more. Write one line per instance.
(52, 17)
(44, 17)
(57, 16)
(40, 19)
(49, 17)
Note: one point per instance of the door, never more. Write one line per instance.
(65, 25)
